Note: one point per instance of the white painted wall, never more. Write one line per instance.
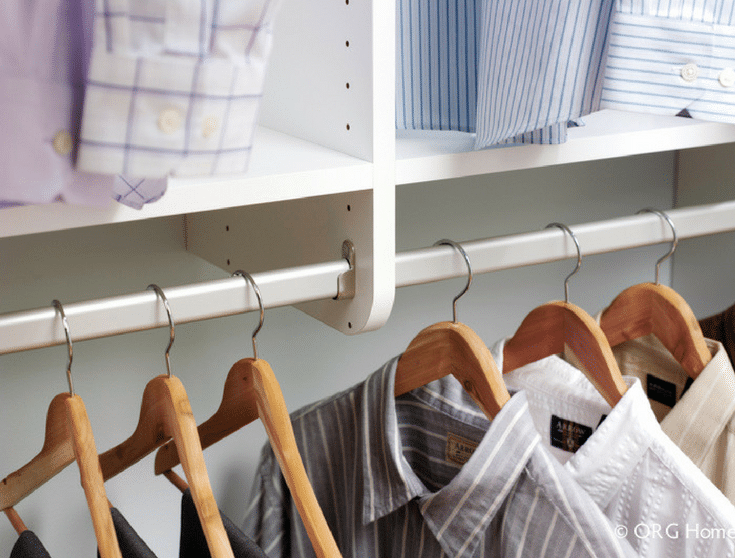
(310, 360)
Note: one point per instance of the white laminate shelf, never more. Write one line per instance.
(282, 167)
(422, 156)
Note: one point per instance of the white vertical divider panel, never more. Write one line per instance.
(331, 81)
(320, 73)
(704, 268)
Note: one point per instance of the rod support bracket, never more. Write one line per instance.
(346, 280)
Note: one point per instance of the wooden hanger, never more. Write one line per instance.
(251, 391)
(165, 414)
(68, 438)
(655, 308)
(453, 348)
(15, 521)
(555, 326)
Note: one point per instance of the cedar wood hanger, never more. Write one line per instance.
(453, 348)
(165, 413)
(655, 308)
(251, 391)
(68, 437)
(551, 327)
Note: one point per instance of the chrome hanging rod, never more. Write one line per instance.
(32, 329)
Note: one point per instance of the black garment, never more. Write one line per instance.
(721, 327)
(194, 545)
(28, 546)
(131, 545)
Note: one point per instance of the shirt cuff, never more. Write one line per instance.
(165, 115)
(661, 66)
(549, 135)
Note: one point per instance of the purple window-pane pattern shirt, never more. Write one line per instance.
(113, 96)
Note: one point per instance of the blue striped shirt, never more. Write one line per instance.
(534, 65)
(436, 61)
(423, 476)
(541, 64)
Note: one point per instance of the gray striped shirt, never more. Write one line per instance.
(427, 475)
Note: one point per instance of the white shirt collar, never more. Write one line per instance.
(620, 435)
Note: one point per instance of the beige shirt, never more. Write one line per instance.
(700, 418)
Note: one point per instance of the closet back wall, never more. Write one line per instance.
(310, 360)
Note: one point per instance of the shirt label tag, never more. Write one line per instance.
(660, 390)
(459, 450)
(568, 435)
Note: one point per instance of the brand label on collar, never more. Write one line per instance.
(660, 390)
(459, 450)
(568, 435)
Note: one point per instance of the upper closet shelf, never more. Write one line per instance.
(423, 156)
(282, 167)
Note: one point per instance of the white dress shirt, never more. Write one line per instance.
(650, 490)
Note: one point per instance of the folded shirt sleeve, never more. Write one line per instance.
(664, 57)
(174, 86)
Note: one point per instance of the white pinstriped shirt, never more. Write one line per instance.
(669, 55)
(423, 476)
(648, 488)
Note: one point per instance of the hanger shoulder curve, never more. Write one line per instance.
(650, 308)
(55, 455)
(151, 431)
(452, 348)
(166, 413)
(548, 328)
(251, 392)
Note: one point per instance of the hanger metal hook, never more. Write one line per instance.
(65, 323)
(674, 242)
(171, 324)
(566, 229)
(252, 282)
(461, 250)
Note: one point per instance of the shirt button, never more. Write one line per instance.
(62, 142)
(209, 126)
(689, 72)
(727, 77)
(170, 120)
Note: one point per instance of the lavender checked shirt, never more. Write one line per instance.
(101, 96)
